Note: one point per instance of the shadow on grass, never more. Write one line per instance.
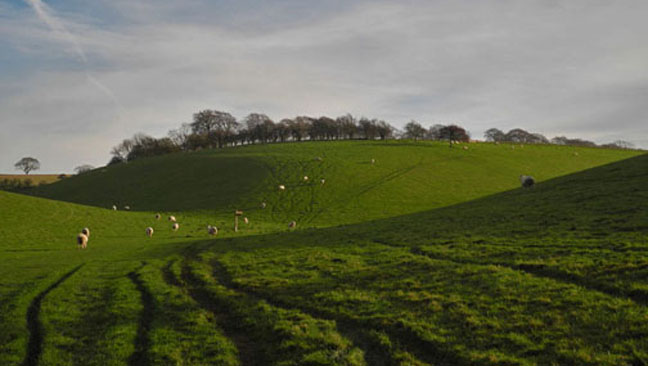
(577, 208)
(35, 344)
(142, 341)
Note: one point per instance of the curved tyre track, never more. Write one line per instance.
(357, 331)
(248, 351)
(34, 326)
(142, 341)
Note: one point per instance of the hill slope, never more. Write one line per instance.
(406, 178)
(549, 275)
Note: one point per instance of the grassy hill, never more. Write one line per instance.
(405, 178)
(468, 269)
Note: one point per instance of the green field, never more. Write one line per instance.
(429, 256)
(35, 179)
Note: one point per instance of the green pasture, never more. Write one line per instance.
(429, 256)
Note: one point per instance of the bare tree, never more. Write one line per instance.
(260, 127)
(180, 135)
(83, 168)
(27, 164)
(384, 129)
(493, 134)
(454, 133)
(622, 144)
(348, 125)
(368, 128)
(122, 150)
(300, 127)
(414, 130)
(434, 132)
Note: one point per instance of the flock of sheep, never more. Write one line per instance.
(526, 181)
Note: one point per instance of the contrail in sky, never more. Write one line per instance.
(56, 25)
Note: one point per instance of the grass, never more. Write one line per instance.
(35, 179)
(457, 273)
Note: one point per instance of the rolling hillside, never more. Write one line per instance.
(429, 256)
(406, 178)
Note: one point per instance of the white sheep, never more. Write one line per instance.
(212, 230)
(465, 147)
(319, 158)
(175, 226)
(305, 178)
(282, 187)
(373, 161)
(82, 241)
(157, 216)
(576, 153)
(263, 205)
(149, 232)
(172, 218)
(245, 220)
(85, 231)
(114, 208)
(527, 181)
(126, 207)
(323, 181)
(292, 224)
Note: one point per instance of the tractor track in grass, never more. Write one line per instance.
(542, 271)
(358, 331)
(34, 326)
(142, 341)
(537, 270)
(360, 338)
(248, 351)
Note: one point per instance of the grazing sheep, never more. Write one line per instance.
(305, 178)
(149, 232)
(212, 230)
(114, 208)
(245, 220)
(323, 180)
(85, 231)
(465, 147)
(82, 241)
(373, 161)
(513, 147)
(496, 142)
(282, 187)
(175, 226)
(127, 208)
(172, 218)
(319, 158)
(292, 224)
(157, 216)
(576, 153)
(263, 205)
(527, 181)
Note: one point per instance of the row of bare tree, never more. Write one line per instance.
(519, 135)
(217, 129)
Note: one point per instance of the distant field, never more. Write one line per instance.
(430, 256)
(35, 178)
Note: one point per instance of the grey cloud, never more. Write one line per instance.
(576, 68)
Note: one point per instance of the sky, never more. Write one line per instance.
(77, 76)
